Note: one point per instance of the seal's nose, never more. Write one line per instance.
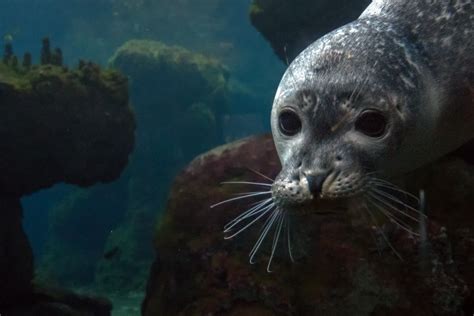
(316, 181)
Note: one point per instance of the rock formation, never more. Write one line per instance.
(339, 268)
(57, 125)
(291, 25)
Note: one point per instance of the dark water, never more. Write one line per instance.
(99, 228)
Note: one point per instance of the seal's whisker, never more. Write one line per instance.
(266, 228)
(379, 196)
(398, 201)
(394, 217)
(372, 233)
(247, 182)
(246, 193)
(263, 212)
(391, 186)
(382, 205)
(239, 198)
(288, 236)
(400, 223)
(261, 174)
(251, 212)
(374, 220)
(276, 237)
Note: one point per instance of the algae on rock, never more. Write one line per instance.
(196, 271)
(57, 125)
(179, 98)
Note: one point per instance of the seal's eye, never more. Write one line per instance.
(371, 123)
(289, 123)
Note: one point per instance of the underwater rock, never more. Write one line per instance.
(16, 257)
(339, 268)
(18, 295)
(70, 255)
(291, 25)
(130, 245)
(179, 97)
(59, 302)
(58, 125)
(185, 85)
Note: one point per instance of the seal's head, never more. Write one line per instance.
(347, 108)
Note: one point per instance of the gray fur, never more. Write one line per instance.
(413, 60)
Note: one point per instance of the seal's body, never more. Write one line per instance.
(380, 96)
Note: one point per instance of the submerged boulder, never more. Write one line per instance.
(178, 98)
(56, 125)
(338, 269)
(59, 125)
(291, 25)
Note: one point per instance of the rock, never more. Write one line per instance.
(70, 255)
(338, 270)
(18, 295)
(16, 257)
(177, 96)
(300, 22)
(56, 125)
(60, 302)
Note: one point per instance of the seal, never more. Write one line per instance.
(373, 99)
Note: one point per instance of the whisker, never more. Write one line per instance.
(372, 233)
(238, 198)
(382, 233)
(288, 236)
(266, 228)
(396, 200)
(261, 174)
(246, 193)
(247, 182)
(384, 202)
(264, 211)
(400, 223)
(276, 237)
(252, 211)
(388, 185)
(392, 198)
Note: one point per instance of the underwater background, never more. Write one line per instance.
(114, 101)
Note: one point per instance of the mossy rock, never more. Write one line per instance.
(179, 77)
(60, 125)
(337, 268)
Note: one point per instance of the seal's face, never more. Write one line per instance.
(332, 134)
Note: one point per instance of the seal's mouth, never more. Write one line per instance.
(304, 203)
(278, 202)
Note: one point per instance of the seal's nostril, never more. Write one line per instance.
(316, 181)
